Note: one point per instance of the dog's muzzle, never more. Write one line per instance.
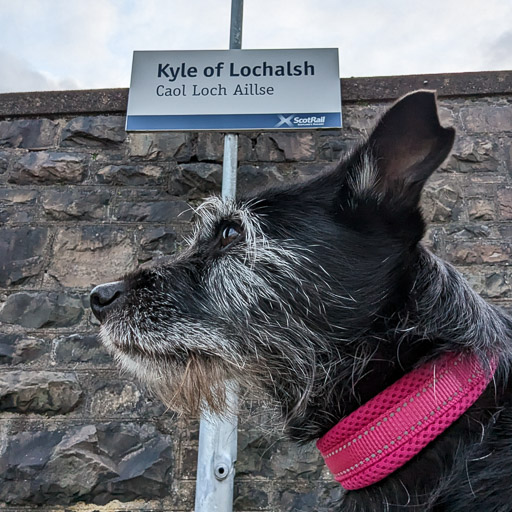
(106, 297)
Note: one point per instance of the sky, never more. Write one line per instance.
(88, 44)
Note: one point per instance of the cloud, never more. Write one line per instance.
(385, 38)
(93, 41)
(60, 44)
(18, 75)
(500, 50)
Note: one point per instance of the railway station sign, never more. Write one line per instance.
(233, 90)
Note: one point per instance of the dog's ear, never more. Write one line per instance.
(405, 148)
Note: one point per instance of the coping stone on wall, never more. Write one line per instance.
(114, 101)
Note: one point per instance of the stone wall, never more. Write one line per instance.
(82, 202)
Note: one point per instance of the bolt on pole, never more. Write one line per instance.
(218, 434)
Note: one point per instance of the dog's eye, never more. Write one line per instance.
(230, 234)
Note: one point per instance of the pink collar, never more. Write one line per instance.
(390, 429)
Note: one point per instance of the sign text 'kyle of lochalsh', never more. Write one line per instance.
(234, 90)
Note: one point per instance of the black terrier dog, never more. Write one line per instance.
(320, 297)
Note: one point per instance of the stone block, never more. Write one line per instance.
(468, 253)
(250, 496)
(188, 461)
(361, 119)
(157, 243)
(77, 203)
(447, 116)
(48, 168)
(21, 254)
(481, 209)
(505, 203)
(476, 189)
(81, 349)
(190, 431)
(29, 133)
(259, 148)
(322, 496)
(40, 392)
(333, 149)
(497, 285)
(296, 500)
(133, 175)
(442, 201)
(85, 257)
(195, 180)
(5, 158)
(257, 177)
(490, 118)
(16, 196)
(182, 494)
(472, 154)
(115, 398)
(475, 279)
(94, 131)
(86, 463)
(296, 146)
(112, 398)
(35, 310)
(210, 147)
(24, 456)
(467, 231)
(155, 211)
(297, 465)
(262, 449)
(142, 145)
(18, 206)
(25, 215)
(7, 347)
(177, 146)
(16, 349)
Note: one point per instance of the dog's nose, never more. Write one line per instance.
(105, 297)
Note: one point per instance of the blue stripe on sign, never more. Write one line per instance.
(234, 122)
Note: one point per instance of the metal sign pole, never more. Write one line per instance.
(218, 435)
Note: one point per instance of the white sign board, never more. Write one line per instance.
(232, 90)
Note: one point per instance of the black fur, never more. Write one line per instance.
(353, 303)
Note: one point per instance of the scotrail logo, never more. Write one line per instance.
(294, 121)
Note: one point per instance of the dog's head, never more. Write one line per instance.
(292, 291)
